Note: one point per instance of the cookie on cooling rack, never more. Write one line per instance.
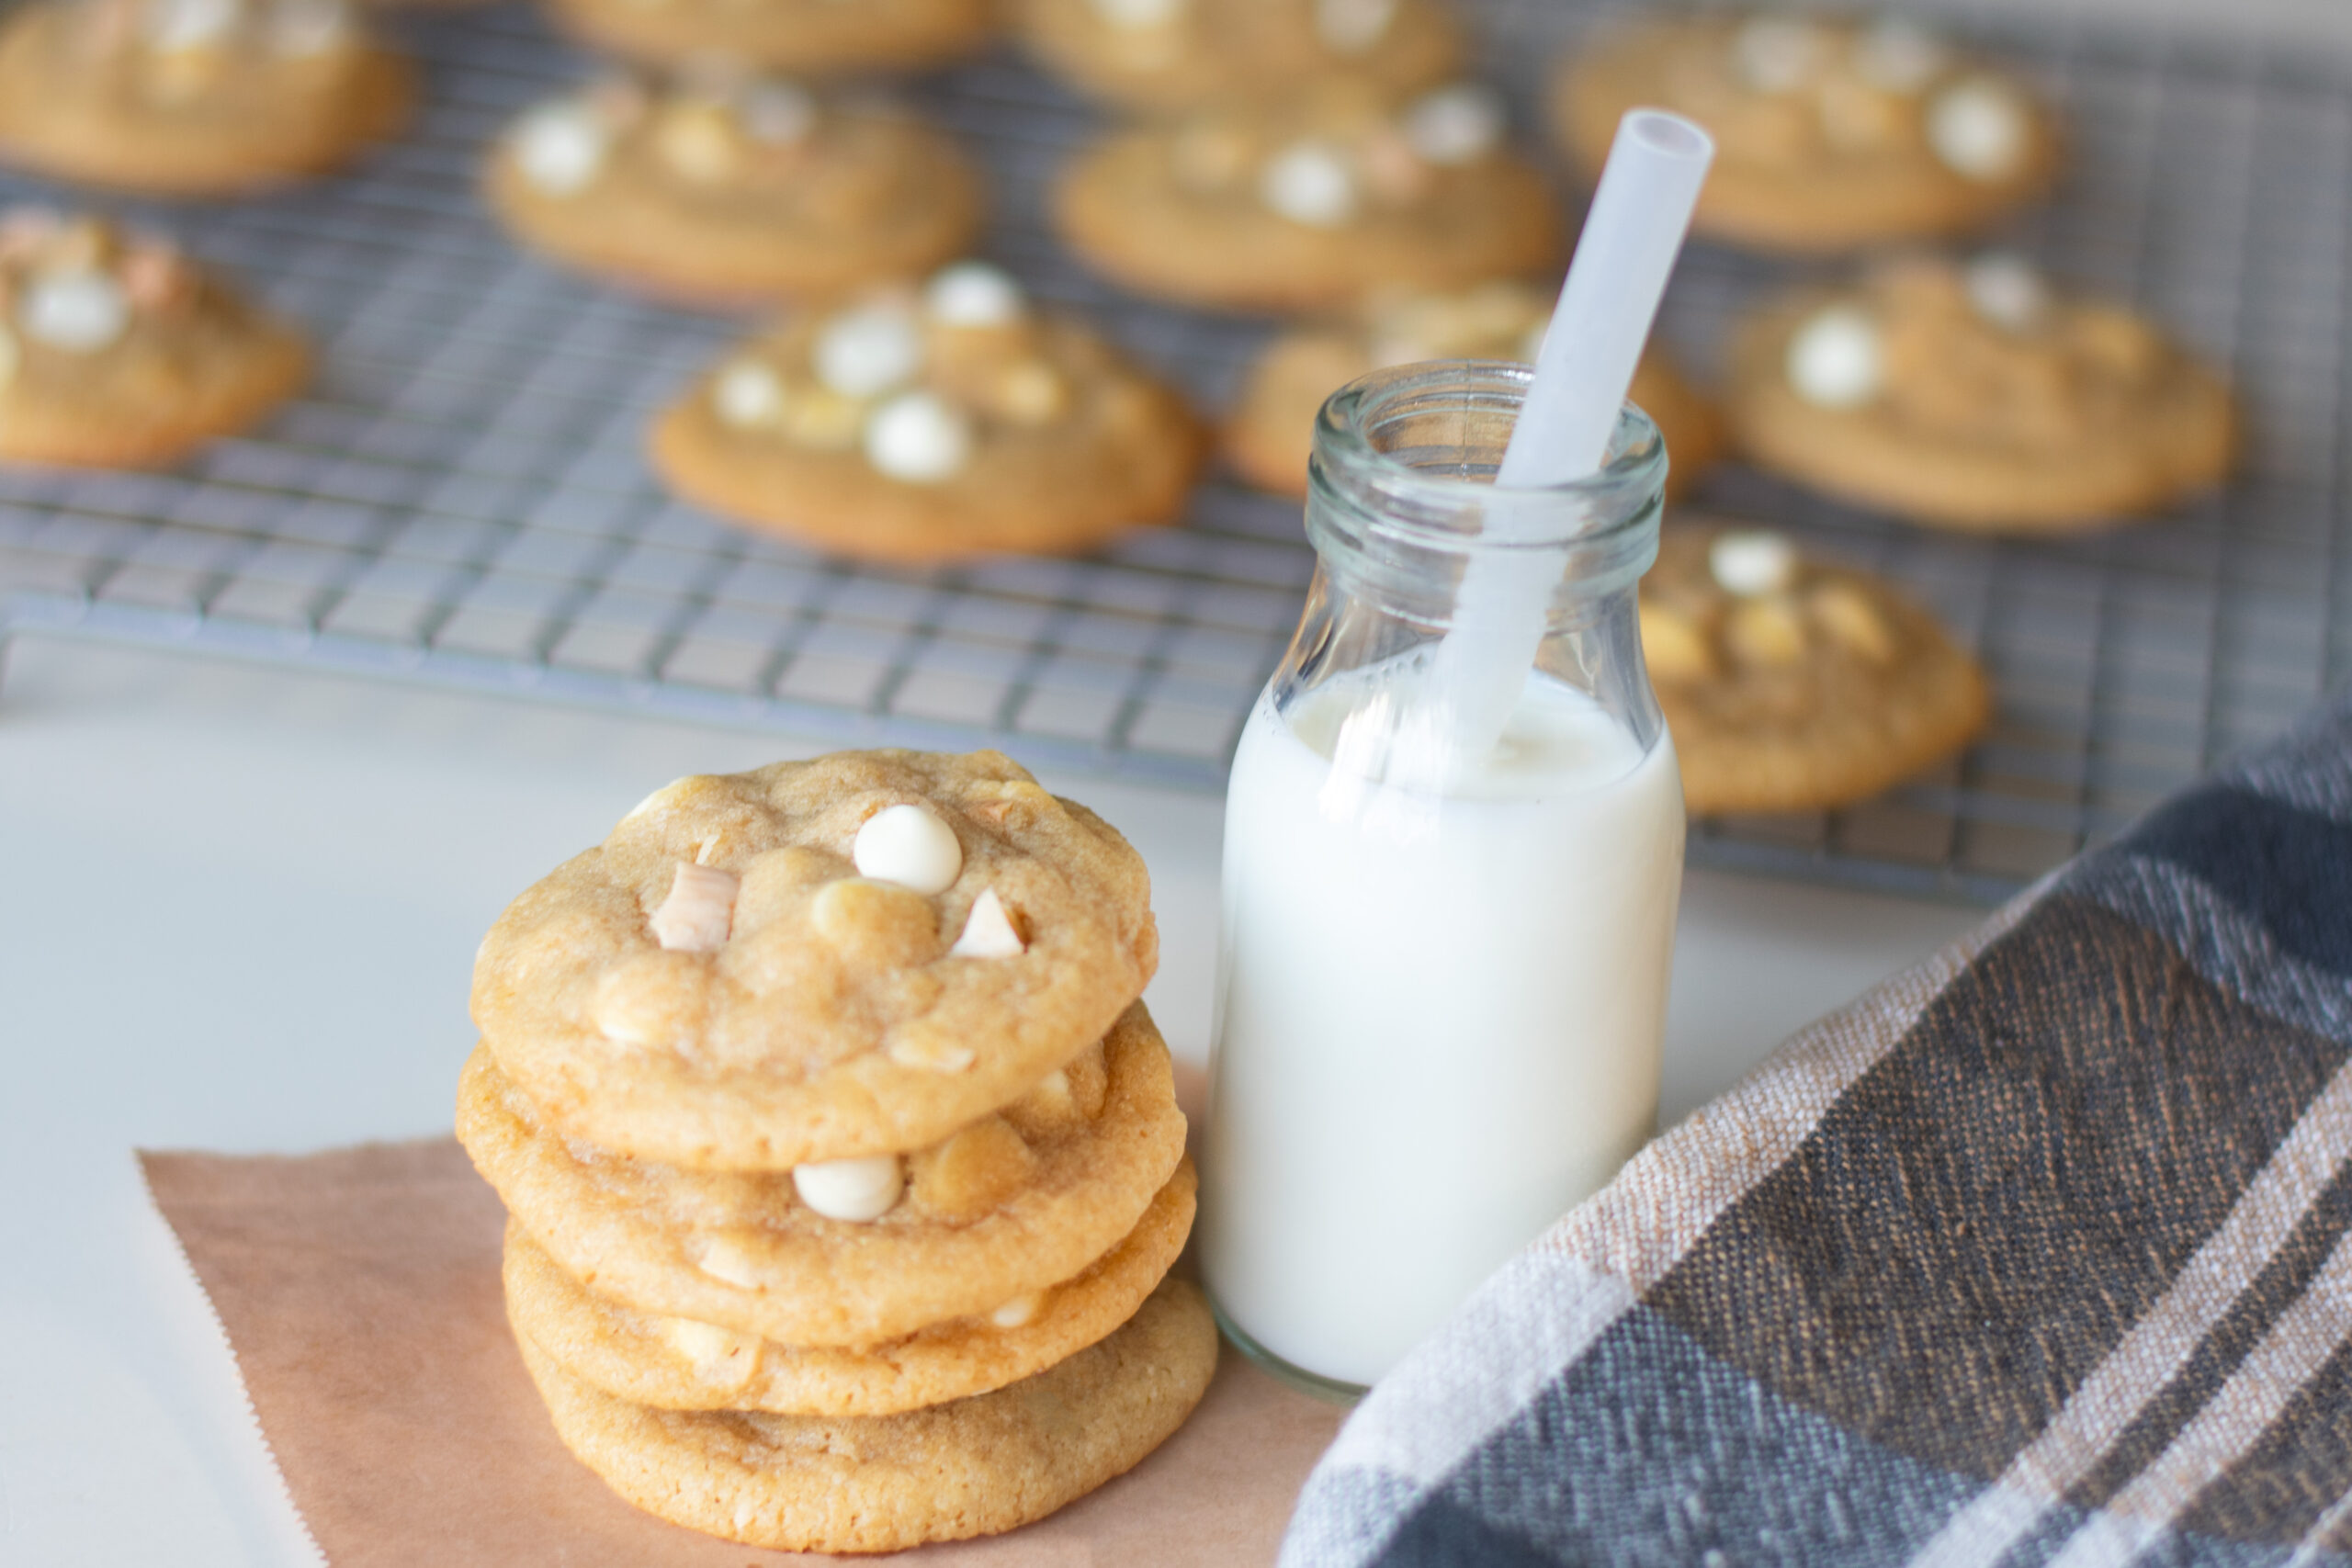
(1158, 54)
(724, 189)
(927, 424)
(1976, 396)
(782, 35)
(117, 351)
(193, 97)
(1272, 429)
(1312, 201)
(1830, 135)
(1792, 684)
(972, 1467)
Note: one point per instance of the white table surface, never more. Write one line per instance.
(240, 910)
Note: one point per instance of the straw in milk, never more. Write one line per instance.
(1640, 215)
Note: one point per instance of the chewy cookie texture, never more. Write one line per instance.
(931, 422)
(1160, 54)
(843, 1164)
(1977, 396)
(782, 35)
(1792, 684)
(725, 187)
(116, 350)
(1329, 194)
(1831, 135)
(193, 97)
(1272, 431)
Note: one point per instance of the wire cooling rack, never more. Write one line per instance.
(460, 498)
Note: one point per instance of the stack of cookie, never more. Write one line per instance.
(844, 1166)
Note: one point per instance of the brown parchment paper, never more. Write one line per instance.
(359, 1289)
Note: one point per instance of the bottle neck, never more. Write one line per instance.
(1402, 503)
(1402, 508)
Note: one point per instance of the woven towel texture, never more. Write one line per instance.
(2039, 1254)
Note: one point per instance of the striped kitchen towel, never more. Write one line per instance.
(2039, 1254)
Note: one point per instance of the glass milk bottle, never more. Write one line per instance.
(1442, 985)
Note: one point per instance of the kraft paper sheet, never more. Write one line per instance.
(360, 1291)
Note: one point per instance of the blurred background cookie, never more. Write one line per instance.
(1976, 396)
(1160, 54)
(1829, 134)
(193, 97)
(117, 351)
(732, 189)
(1272, 429)
(1790, 683)
(781, 35)
(926, 424)
(1313, 201)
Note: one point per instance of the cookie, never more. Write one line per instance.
(1792, 684)
(1977, 397)
(819, 1014)
(1830, 135)
(781, 35)
(930, 425)
(193, 97)
(1162, 54)
(882, 1483)
(117, 351)
(1312, 201)
(1272, 428)
(848, 1253)
(680, 1364)
(731, 189)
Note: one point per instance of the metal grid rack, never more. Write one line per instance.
(460, 499)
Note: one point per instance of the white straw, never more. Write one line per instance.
(1640, 215)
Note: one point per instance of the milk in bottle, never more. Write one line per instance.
(1441, 988)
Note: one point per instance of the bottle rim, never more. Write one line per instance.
(1430, 508)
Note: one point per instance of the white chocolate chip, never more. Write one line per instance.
(1456, 125)
(911, 846)
(933, 1056)
(777, 114)
(972, 294)
(175, 25)
(10, 356)
(720, 1356)
(1752, 561)
(857, 1191)
(1777, 55)
(987, 931)
(916, 438)
(868, 350)
(80, 312)
(1352, 27)
(1835, 360)
(2007, 290)
(1138, 15)
(560, 147)
(748, 394)
(698, 912)
(1018, 1312)
(1310, 183)
(1979, 128)
(1895, 54)
(301, 29)
(725, 1260)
